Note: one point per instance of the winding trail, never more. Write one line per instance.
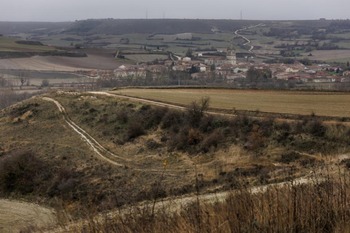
(93, 143)
(101, 151)
(172, 204)
(245, 38)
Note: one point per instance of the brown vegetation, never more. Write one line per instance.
(147, 137)
(320, 206)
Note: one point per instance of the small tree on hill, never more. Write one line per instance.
(196, 110)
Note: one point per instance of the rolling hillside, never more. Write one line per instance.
(96, 152)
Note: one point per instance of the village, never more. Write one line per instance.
(224, 67)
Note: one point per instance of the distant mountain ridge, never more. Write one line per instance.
(153, 26)
(7, 28)
(162, 26)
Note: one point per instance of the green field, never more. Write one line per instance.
(288, 102)
(10, 45)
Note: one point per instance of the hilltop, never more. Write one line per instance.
(101, 151)
(133, 145)
(160, 26)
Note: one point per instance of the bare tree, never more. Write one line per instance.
(196, 110)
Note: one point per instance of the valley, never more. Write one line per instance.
(169, 125)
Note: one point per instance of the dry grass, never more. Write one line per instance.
(15, 216)
(87, 180)
(292, 102)
(320, 206)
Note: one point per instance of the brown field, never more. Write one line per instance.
(146, 57)
(288, 102)
(96, 59)
(330, 55)
(50, 63)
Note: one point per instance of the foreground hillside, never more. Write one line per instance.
(91, 152)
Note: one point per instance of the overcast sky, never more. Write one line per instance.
(69, 10)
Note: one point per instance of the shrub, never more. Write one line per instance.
(179, 140)
(134, 130)
(195, 111)
(122, 115)
(21, 172)
(315, 128)
(346, 162)
(194, 136)
(63, 184)
(211, 141)
(255, 140)
(289, 157)
(152, 117)
(151, 144)
(171, 119)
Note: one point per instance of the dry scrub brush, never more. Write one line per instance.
(318, 206)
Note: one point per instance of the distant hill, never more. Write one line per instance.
(7, 28)
(154, 26)
(164, 26)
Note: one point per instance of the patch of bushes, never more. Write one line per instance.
(151, 144)
(289, 157)
(346, 162)
(64, 184)
(315, 128)
(134, 130)
(195, 131)
(22, 172)
(211, 141)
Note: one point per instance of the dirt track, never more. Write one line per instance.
(216, 113)
(97, 147)
(15, 215)
(176, 204)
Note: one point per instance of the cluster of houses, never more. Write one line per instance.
(224, 64)
(319, 73)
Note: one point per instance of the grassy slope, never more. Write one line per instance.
(79, 176)
(10, 45)
(53, 141)
(95, 182)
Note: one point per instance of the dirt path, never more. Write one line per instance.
(176, 204)
(245, 38)
(93, 143)
(101, 151)
(174, 106)
(16, 215)
(155, 103)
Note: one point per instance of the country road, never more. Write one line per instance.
(245, 38)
